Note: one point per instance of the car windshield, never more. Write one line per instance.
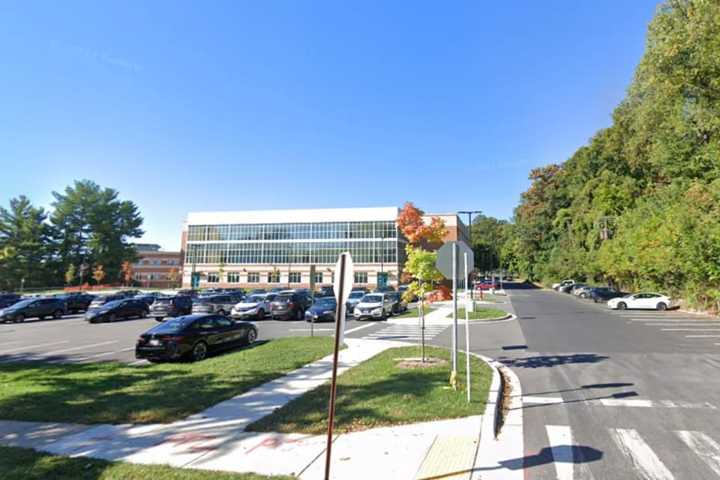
(113, 304)
(283, 298)
(325, 302)
(254, 299)
(372, 299)
(357, 294)
(23, 303)
(163, 301)
(173, 325)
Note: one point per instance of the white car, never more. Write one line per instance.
(557, 286)
(254, 306)
(649, 301)
(373, 305)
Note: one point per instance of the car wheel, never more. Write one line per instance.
(19, 318)
(251, 336)
(583, 295)
(199, 351)
(661, 306)
(159, 319)
(622, 306)
(111, 318)
(261, 314)
(299, 315)
(57, 314)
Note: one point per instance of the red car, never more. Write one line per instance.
(484, 285)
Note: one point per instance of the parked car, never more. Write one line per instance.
(7, 299)
(564, 283)
(129, 293)
(33, 308)
(485, 284)
(322, 310)
(77, 302)
(645, 300)
(402, 289)
(254, 306)
(327, 291)
(188, 292)
(373, 305)
(603, 294)
(583, 292)
(566, 288)
(221, 304)
(148, 298)
(101, 300)
(193, 337)
(398, 304)
(171, 307)
(118, 309)
(289, 305)
(353, 300)
(257, 290)
(578, 288)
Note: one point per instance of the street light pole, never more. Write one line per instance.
(469, 213)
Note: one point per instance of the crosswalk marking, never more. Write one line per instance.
(642, 456)
(406, 332)
(560, 438)
(705, 447)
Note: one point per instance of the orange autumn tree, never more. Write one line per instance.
(126, 272)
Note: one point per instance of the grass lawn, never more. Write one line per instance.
(27, 464)
(378, 393)
(116, 393)
(481, 313)
(412, 312)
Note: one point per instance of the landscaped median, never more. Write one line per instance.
(412, 312)
(481, 313)
(27, 464)
(117, 393)
(389, 389)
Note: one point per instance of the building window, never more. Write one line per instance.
(253, 277)
(361, 277)
(318, 277)
(233, 277)
(213, 277)
(274, 277)
(295, 277)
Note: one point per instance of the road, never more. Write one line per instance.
(610, 394)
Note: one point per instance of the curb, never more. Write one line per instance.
(500, 439)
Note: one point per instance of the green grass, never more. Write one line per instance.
(26, 464)
(378, 393)
(116, 393)
(412, 312)
(482, 313)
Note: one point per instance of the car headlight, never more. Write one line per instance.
(377, 311)
(328, 312)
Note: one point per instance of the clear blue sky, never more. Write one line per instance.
(226, 105)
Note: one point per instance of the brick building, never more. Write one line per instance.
(156, 268)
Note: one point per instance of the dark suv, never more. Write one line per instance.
(171, 307)
(603, 294)
(101, 300)
(290, 306)
(77, 302)
(7, 299)
(221, 304)
(33, 308)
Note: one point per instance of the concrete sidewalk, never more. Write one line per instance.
(215, 438)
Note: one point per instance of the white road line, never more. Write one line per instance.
(690, 329)
(615, 402)
(560, 439)
(137, 363)
(55, 352)
(8, 343)
(359, 328)
(665, 324)
(308, 329)
(33, 346)
(702, 336)
(646, 463)
(542, 400)
(704, 446)
(103, 354)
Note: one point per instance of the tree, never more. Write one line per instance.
(413, 227)
(421, 264)
(126, 273)
(70, 275)
(92, 226)
(25, 240)
(98, 274)
(173, 275)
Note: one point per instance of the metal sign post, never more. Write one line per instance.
(468, 300)
(453, 374)
(342, 287)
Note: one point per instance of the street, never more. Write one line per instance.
(609, 394)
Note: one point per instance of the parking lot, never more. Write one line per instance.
(72, 339)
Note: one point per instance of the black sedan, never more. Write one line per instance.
(33, 307)
(77, 302)
(116, 310)
(193, 337)
(603, 294)
(322, 310)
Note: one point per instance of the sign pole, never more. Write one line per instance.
(340, 310)
(453, 374)
(467, 331)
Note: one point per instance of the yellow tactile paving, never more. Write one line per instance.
(449, 458)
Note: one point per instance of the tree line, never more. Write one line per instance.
(638, 207)
(83, 239)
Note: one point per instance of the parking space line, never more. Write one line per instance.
(308, 329)
(34, 346)
(702, 336)
(103, 354)
(65, 350)
(665, 324)
(690, 329)
(137, 363)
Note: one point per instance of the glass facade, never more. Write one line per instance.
(292, 243)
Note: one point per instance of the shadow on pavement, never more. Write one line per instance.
(540, 361)
(561, 454)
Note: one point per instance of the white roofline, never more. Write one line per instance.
(294, 216)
